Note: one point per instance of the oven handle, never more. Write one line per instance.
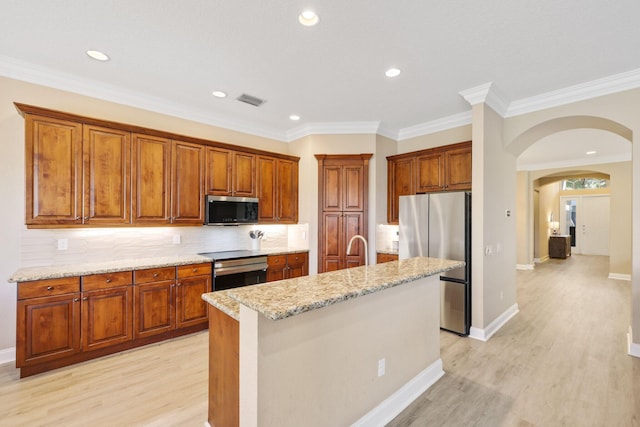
(224, 271)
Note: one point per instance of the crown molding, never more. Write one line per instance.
(581, 92)
(445, 123)
(575, 162)
(489, 94)
(332, 128)
(44, 76)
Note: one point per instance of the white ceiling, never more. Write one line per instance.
(168, 56)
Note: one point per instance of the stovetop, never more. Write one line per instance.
(225, 255)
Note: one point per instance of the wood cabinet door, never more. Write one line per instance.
(267, 189)
(107, 317)
(107, 175)
(47, 329)
(458, 169)
(332, 187)
(53, 171)
(154, 309)
(151, 172)
(187, 183)
(382, 258)
(430, 173)
(297, 265)
(244, 174)
(191, 309)
(353, 192)
(277, 268)
(401, 182)
(332, 242)
(353, 224)
(219, 164)
(286, 193)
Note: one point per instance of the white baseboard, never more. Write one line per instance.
(499, 322)
(618, 276)
(634, 349)
(398, 401)
(525, 266)
(7, 355)
(541, 260)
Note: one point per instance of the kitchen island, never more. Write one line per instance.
(349, 347)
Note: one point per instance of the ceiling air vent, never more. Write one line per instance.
(251, 100)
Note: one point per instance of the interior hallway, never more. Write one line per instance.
(562, 361)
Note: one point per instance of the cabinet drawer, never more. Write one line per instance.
(154, 275)
(106, 280)
(296, 258)
(275, 260)
(194, 270)
(44, 288)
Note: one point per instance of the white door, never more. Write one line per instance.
(594, 227)
(589, 216)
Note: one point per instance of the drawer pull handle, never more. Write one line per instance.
(155, 274)
(195, 270)
(108, 280)
(49, 288)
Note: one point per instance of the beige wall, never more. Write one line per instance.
(446, 137)
(328, 358)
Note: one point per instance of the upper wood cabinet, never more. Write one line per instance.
(446, 168)
(187, 180)
(400, 182)
(53, 171)
(82, 171)
(107, 179)
(151, 172)
(343, 185)
(277, 190)
(230, 173)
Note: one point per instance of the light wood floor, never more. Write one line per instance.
(561, 361)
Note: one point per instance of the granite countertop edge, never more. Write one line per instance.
(264, 298)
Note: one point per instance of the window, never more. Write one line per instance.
(584, 183)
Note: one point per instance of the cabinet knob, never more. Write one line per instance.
(178, 283)
(155, 274)
(49, 288)
(78, 218)
(108, 280)
(85, 298)
(195, 270)
(76, 299)
(86, 218)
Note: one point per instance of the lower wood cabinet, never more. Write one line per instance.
(287, 266)
(69, 320)
(382, 257)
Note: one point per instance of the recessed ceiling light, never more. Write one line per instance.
(591, 152)
(308, 18)
(219, 94)
(392, 72)
(97, 55)
(294, 117)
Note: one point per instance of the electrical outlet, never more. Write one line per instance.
(177, 239)
(488, 250)
(63, 244)
(381, 367)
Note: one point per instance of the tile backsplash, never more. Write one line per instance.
(385, 236)
(41, 247)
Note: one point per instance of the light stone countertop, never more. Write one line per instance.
(286, 298)
(68, 270)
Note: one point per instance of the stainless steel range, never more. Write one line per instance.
(233, 269)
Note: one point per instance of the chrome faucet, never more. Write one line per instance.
(366, 251)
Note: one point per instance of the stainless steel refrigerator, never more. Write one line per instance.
(438, 225)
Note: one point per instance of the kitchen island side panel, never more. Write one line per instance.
(320, 368)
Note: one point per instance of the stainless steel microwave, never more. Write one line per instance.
(226, 210)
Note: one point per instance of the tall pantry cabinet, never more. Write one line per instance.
(343, 209)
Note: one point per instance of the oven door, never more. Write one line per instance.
(235, 276)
